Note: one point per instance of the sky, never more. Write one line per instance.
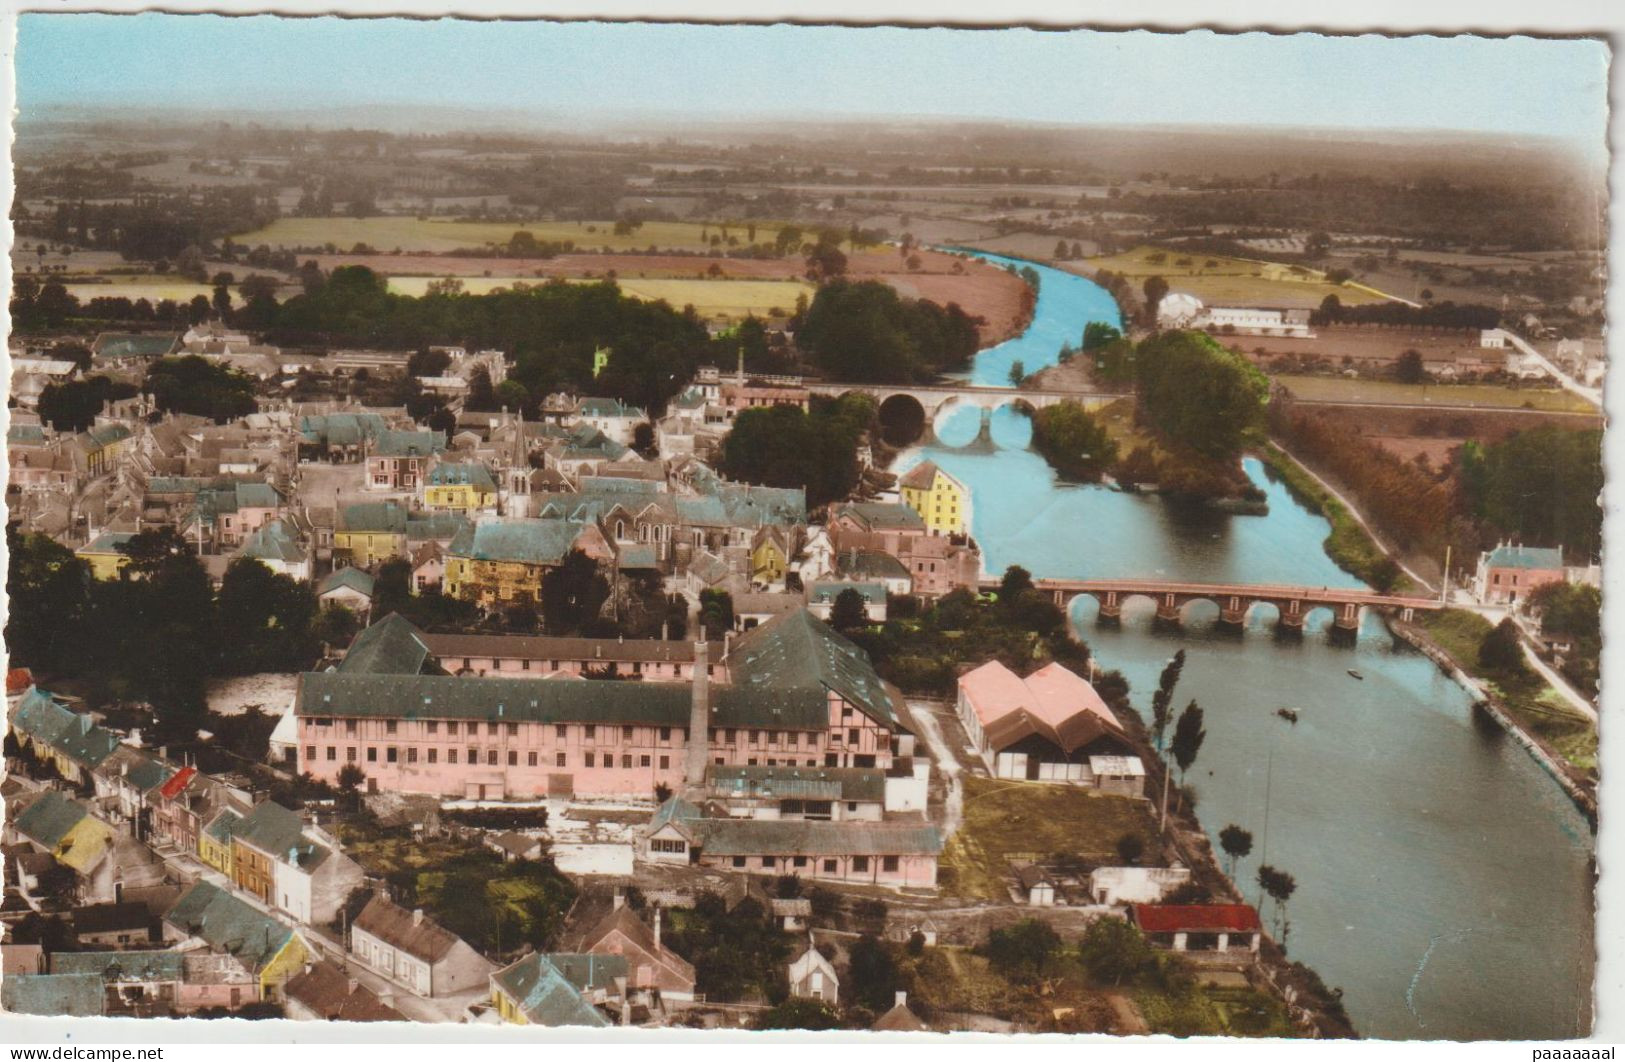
(1511, 86)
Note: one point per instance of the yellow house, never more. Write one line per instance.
(103, 554)
(769, 558)
(214, 845)
(63, 827)
(285, 962)
(97, 449)
(532, 991)
(495, 564)
(940, 499)
(464, 488)
(370, 533)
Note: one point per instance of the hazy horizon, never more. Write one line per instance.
(561, 73)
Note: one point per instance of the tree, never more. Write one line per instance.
(1408, 368)
(1279, 886)
(643, 439)
(800, 1013)
(1130, 847)
(351, 778)
(872, 973)
(1162, 700)
(573, 594)
(1237, 843)
(716, 613)
(1023, 951)
(1115, 951)
(392, 589)
(73, 406)
(1502, 648)
(1188, 738)
(1015, 580)
(1155, 287)
(850, 611)
(1099, 334)
(1074, 442)
(1198, 395)
(1018, 373)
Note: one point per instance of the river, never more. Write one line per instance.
(1444, 881)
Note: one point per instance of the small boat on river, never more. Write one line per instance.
(1355, 674)
(1289, 714)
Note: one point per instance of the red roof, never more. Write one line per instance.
(18, 679)
(1195, 918)
(172, 788)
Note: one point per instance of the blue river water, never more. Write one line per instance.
(1445, 883)
(1066, 303)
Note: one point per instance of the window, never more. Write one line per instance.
(665, 762)
(778, 737)
(626, 761)
(524, 665)
(555, 664)
(490, 757)
(349, 754)
(791, 739)
(412, 754)
(665, 733)
(513, 729)
(589, 759)
(561, 731)
(372, 754)
(310, 752)
(451, 729)
(739, 861)
(434, 755)
(663, 845)
(389, 726)
(467, 662)
(349, 726)
(846, 713)
(731, 732)
(851, 805)
(324, 722)
(628, 733)
(451, 755)
(829, 866)
(860, 864)
(771, 762)
(558, 760)
(513, 758)
(888, 864)
(589, 732)
(433, 726)
(643, 761)
(530, 760)
(391, 754)
(473, 757)
(490, 729)
(852, 737)
(751, 762)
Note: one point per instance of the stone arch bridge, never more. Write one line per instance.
(935, 399)
(1292, 603)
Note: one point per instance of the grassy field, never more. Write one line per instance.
(1221, 280)
(710, 298)
(1389, 393)
(1539, 707)
(438, 234)
(1005, 820)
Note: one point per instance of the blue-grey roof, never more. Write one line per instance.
(353, 578)
(452, 474)
(1526, 557)
(49, 818)
(392, 646)
(798, 651)
(538, 542)
(39, 715)
(86, 743)
(870, 564)
(134, 344)
(225, 826)
(589, 972)
(883, 515)
(424, 527)
(386, 517)
(228, 924)
(825, 591)
(798, 783)
(71, 995)
(609, 407)
(274, 540)
(726, 836)
(25, 435)
(107, 542)
(341, 429)
(409, 443)
(544, 996)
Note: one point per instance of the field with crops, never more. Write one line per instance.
(412, 234)
(1220, 280)
(1388, 392)
(153, 291)
(710, 298)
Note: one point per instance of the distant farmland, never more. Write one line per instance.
(154, 291)
(410, 234)
(710, 298)
(1219, 280)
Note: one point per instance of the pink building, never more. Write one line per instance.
(795, 694)
(505, 654)
(1045, 727)
(937, 564)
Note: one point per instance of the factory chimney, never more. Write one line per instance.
(699, 716)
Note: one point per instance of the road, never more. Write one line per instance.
(954, 806)
(1354, 511)
(1570, 384)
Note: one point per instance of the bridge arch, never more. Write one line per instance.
(904, 420)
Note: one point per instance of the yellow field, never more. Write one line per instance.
(386, 234)
(710, 298)
(1219, 280)
(1389, 393)
(153, 291)
(723, 298)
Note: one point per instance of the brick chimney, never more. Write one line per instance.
(699, 716)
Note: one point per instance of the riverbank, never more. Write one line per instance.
(1351, 546)
(1524, 712)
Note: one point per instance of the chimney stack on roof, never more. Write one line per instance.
(699, 715)
(902, 999)
(417, 916)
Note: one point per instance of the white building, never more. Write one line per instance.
(812, 977)
(416, 952)
(1115, 886)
